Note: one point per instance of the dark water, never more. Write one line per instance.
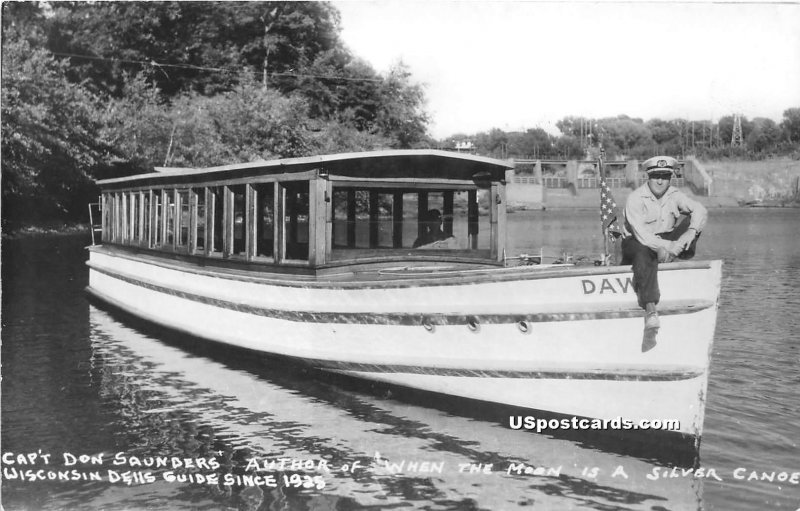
(78, 379)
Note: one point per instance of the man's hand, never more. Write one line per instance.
(666, 255)
(686, 239)
(675, 248)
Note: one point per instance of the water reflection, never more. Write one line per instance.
(174, 402)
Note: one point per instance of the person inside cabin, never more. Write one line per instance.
(661, 224)
(432, 229)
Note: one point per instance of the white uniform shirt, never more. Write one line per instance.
(646, 216)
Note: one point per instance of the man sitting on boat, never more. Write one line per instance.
(656, 231)
(432, 225)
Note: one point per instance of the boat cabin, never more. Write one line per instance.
(315, 212)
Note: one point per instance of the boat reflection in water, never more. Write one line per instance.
(176, 401)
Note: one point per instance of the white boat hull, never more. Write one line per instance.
(566, 341)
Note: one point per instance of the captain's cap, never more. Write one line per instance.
(660, 164)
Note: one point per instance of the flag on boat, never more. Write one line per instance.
(609, 212)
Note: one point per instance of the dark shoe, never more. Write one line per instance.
(649, 339)
(689, 252)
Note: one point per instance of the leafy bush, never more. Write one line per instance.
(50, 137)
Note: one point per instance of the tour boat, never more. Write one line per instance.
(318, 260)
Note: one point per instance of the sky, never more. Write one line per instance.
(516, 65)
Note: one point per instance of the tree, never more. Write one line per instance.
(493, 143)
(664, 132)
(764, 135)
(208, 47)
(255, 123)
(573, 126)
(400, 115)
(139, 126)
(203, 45)
(282, 39)
(334, 137)
(340, 87)
(49, 138)
(622, 134)
(247, 123)
(704, 134)
(791, 124)
(569, 147)
(534, 142)
(24, 21)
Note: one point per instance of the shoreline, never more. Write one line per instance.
(47, 229)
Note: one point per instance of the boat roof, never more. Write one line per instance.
(406, 163)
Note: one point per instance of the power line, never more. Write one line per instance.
(212, 69)
(142, 62)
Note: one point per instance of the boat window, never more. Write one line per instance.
(169, 211)
(158, 219)
(347, 206)
(239, 220)
(366, 220)
(217, 212)
(112, 217)
(134, 214)
(105, 215)
(145, 216)
(265, 219)
(108, 216)
(123, 217)
(126, 217)
(141, 218)
(296, 219)
(119, 221)
(182, 218)
(199, 196)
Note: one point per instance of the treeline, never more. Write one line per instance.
(97, 90)
(93, 90)
(624, 137)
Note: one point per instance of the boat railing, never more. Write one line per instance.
(545, 256)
